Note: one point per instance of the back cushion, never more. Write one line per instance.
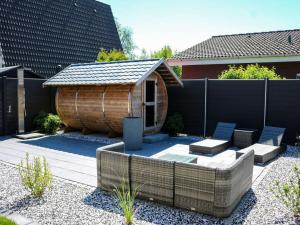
(224, 131)
(154, 178)
(114, 169)
(194, 187)
(271, 136)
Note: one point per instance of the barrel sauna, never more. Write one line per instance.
(101, 108)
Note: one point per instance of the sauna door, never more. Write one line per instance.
(150, 104)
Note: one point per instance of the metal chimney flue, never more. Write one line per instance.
(290, 39)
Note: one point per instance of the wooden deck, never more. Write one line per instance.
(64, 164)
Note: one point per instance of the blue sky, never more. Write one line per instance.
(183, 23)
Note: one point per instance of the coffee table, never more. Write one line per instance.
(179, 158)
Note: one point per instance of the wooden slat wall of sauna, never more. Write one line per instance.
(89, 108)
(102, 108)
(116, 106)
(66, 106)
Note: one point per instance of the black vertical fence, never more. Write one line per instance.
(248, 103)
(37, 99)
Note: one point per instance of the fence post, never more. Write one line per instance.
(205, 106)
(266, 101)
(4, 104)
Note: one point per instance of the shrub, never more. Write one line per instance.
(249, 72)
(36, 176)
(126, 200)
(297, 140)
(6, 221)
(289, 193)
(175, 124)
(112, 55)
(47, 123)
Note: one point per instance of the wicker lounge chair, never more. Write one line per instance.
(221, 140)
(268, 146)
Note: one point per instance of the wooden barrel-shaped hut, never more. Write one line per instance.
(95, 97)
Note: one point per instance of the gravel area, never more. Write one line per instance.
(70, 203)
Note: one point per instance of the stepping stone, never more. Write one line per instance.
(29, 135)
(153, 138)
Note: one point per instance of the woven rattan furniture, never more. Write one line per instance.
(179, 158)
(112, 165)
(268, 146)
(243, 138)
(215, 189)
(221, 140)
(153, 178)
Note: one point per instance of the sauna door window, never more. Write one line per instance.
(150, 103)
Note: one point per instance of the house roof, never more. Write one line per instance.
(42, 34)
(11, 71)
(109, 73)
(273, 43)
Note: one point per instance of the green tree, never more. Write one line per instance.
(112, 55)
(144, 54)
(250, 72)
(126, 38)
(167, 52)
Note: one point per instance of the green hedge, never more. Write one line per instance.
(250, 72)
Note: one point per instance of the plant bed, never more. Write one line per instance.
(71, 203)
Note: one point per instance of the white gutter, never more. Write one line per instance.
(237, 60)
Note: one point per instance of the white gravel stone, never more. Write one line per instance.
(70, 203)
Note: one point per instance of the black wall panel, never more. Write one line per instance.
(37, 99)
(1, 106)
(189, 101)
(284, 107)
(11, 109)
(237, 101)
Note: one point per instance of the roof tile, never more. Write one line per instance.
(273, 43)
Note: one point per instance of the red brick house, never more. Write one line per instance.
(279, 49)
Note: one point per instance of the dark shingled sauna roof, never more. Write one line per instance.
(119, 72)
(42, 34)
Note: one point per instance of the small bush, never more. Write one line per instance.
(289, 193)
(6, 221)
(175, 124)
(36, 176)
(47, 123)
(297, 143)
(249, 72)
(126, 200)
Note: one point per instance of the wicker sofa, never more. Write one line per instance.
(215, 189)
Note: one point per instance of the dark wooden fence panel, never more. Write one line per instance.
(11, 106)
(1, 106)
(37, 99)
(284, 107)
(189, 101)
(237, 101)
